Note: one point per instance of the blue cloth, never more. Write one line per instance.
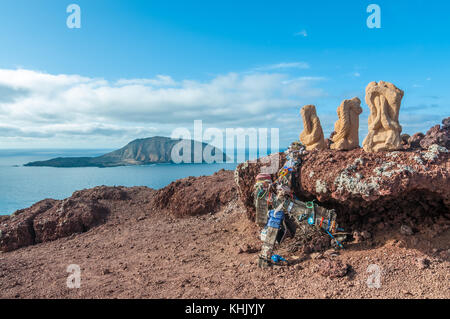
(277, 258)
(275, 219)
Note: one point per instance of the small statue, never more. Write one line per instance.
(384, 101)
(347, 126)
(312, 135)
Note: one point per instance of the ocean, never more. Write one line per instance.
(21, 187)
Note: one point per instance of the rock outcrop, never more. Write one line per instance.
(196, 195)
(17, 230)
(437, 135)
(51, 219)
(312, 135)
(68, 217)
(414, 141)
(360, 184)
(346, 127)
(384, 101)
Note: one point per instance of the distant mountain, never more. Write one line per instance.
(156, 149)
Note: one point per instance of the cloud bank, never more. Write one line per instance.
(42, 110)
(38, 108)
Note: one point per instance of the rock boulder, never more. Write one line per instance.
(357, 183)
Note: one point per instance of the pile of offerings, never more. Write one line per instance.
(281, 214)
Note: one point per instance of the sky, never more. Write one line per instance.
(143, 68)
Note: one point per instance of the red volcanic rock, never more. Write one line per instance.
(333, 268)
(316, 242)
(446, 123)
(51, 219)
(69, 217)
(414, 141)
(404, 138)
(361, 186)
(17, 231)
(438, 135)
(3, 218)
(196, 195)
(104, 193)
(357, 179)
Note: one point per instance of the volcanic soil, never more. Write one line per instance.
(147, 248)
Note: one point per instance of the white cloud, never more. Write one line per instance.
(41, 107)
(302, 33)
(73, 129)
(284, 65)
(160, 80)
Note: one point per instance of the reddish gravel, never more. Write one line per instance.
(49, 219)
(141, 252)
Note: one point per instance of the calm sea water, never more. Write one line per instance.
(20, 186)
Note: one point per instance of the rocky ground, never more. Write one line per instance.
(140, 243)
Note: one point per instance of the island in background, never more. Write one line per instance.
(150, 150)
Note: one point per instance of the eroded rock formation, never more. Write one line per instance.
(347, 126)
(438, 134)
(196, 195)
(384, 101)
(312, 135)
(68, 217)
(49, 220)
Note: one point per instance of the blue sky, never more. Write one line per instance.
(140, 68)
